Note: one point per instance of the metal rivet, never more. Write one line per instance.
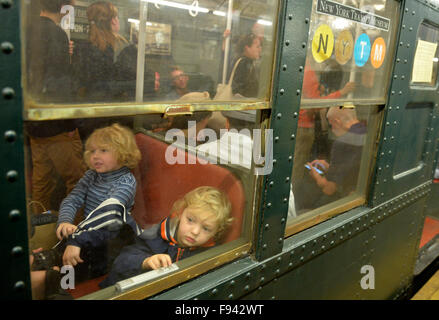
(284, 67)
(282, 91)
(11, 176)
(17, 251)
(8, 93)
(287, 42)
(14, 215)
(19, 285)
(7, 47)
(307, 20)
(6, 4)
(290, 16)
(10, 136)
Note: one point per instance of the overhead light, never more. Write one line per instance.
(178, 5)
(219, 13)
(136, 21)
(265, 22)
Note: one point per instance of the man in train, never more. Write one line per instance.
(337, 178)
(179, 84)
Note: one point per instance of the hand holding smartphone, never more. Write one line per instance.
(321, 172)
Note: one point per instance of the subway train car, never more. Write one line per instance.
(213, 149)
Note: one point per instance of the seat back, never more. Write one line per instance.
(160, 184)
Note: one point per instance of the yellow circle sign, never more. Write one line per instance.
(322, 43)
(344, 47)
(378, 52)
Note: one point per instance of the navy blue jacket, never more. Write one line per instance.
(156, 240)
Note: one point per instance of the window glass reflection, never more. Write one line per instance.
(99, 51)
(349, 51)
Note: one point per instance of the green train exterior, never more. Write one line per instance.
(365, 247)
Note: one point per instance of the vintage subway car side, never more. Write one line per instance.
(330, 130)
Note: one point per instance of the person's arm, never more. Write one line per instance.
(128, 263)
(125, 190)
(157, 261)
(328, 187)
(75, 200)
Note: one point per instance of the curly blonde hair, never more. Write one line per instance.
(118, 139)
(208, 199)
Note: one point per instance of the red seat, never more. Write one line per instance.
(159, 184)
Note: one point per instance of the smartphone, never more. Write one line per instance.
(317, 169)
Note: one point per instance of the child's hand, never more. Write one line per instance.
(65, 229)
(157, 261)
(71, 256)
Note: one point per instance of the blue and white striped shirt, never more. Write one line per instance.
(94, 188)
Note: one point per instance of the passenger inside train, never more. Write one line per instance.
(197, 220)
(330, 180)
(106, 193)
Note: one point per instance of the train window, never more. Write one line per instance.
(144, 187)
(349, 51)
(425, 62)
(132, 127)
(346, 76)
(331, 163)
(134, 52)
